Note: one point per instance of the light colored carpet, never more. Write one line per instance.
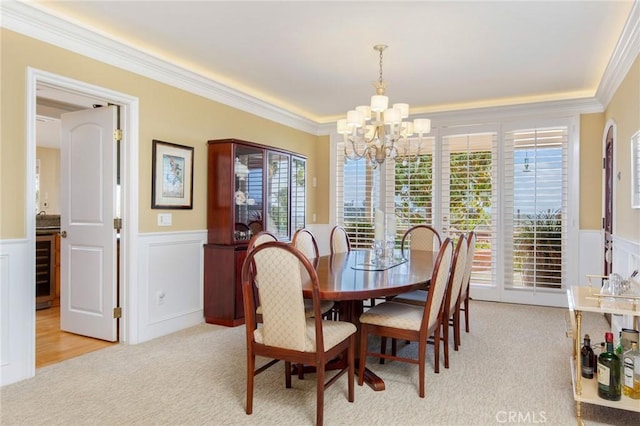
(516, 359)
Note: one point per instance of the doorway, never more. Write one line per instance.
(608, 200)
(53, 344)
(128, 160)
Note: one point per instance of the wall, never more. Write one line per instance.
(49, 179)
(591, 126)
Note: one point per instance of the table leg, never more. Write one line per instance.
(352, 310)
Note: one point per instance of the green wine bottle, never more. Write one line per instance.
(609, 385)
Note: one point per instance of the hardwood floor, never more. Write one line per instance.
(54, 345)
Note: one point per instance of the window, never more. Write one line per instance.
(469, 196)
(507, 181)
(535, 207)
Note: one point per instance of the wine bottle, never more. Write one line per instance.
(587, 358)
(609, 386)
(630, 359)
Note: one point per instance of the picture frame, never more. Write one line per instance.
(635, 170)
(171, 176)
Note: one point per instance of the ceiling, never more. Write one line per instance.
(316, 59)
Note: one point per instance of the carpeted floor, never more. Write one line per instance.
(512, 368)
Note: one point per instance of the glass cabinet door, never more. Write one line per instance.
(298, 192)
(277, 195)
(248, 175)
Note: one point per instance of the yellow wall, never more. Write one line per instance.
(591, 126)
(624, 110)
(166, 113)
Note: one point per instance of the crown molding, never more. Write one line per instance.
(626, 51)
(29, 20)
(32, 21)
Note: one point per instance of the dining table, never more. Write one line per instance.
(352, 277)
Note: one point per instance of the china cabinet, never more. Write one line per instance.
(588, 299)
(250, 188)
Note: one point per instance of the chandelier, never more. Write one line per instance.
(377, 127)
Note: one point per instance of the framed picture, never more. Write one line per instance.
(635, 170)
(172, 176)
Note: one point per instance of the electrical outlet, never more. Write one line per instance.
(160, 297)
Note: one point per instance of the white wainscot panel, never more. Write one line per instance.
(591, 261)
(171, 282)
(17, 307)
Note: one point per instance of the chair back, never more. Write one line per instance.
(339, 240)
(456, 276)
(421, 237)
(439, 280)
(278, 277)
(471, 251)
(259, 239)
(304, 241)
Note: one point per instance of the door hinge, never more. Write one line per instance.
(117, 134)
(117, 224)
(117, 312)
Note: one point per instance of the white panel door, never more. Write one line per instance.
(88, 251)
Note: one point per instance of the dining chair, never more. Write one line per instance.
(466, 281)
(264, 237)
(305, 241)
(410, 322)
(450, 304)
(339, 240)
(286, 332)
(421, 237)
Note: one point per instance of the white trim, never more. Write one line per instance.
(625, 53)
(129, 180)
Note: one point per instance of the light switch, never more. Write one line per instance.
(164, 219)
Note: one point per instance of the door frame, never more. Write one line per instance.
(129, 181)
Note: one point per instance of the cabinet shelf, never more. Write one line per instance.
(585, 298)
(589, 393)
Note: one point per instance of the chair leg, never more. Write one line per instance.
(351, 359)
(436, 350)
(287, 374)
(300, 371)
(363, 354)
(456, 328)
(320, 372)
(251, 363)
(383, 347)
(445, 340)
(466, 312)
(422, 359)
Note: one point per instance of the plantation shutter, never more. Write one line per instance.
(356, 198)
(413, 185)
(535, 207)
(469, 196)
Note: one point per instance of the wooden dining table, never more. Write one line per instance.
(351, 278)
